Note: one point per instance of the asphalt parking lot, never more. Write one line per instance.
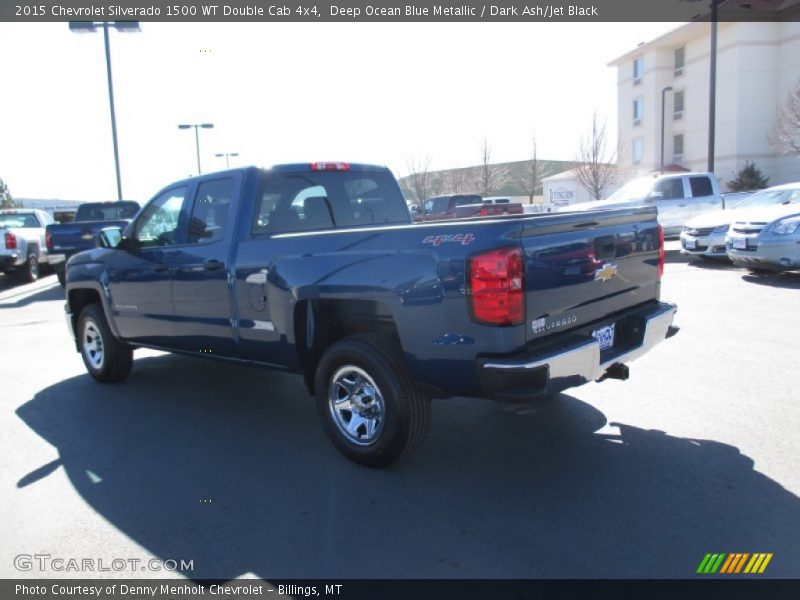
(229, 467)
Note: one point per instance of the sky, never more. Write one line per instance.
(383, 93)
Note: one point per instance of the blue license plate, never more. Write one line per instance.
(605, 336)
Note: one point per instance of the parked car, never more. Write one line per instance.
(769, 242)
(677, 196)
(66, 239)
(24, 249)
(317, 269)
(705, 234)
(497, 200)
(463, 206)
(734, 199)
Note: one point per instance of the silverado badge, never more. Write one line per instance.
(606, 272)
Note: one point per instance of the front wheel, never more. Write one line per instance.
(105, 357)
(369, 406)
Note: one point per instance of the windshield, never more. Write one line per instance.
(771, 197)
(634, 190)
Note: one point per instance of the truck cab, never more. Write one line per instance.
(677, 196)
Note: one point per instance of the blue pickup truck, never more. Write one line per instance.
(65, 239)
(318, 269)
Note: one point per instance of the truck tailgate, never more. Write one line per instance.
(78, 235)
(584, 268)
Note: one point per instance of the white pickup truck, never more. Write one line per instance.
(677, 196)
(23, 248)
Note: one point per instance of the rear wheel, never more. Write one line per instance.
(62, 277)
(369, 406)
(105, 357)
(30, 270)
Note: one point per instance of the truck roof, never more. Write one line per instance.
(293, 168)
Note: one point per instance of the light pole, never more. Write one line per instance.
(227, 156)
(197, 127)
(663, 98)
(712, 91)
(124, 27)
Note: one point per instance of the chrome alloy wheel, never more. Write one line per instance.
(356, 405)
(92, 345)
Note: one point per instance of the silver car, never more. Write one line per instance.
(771, 243)
(704, 235)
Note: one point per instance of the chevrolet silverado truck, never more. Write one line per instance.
(65, 239)
(464, 206)
(23, 248)
(317, 269)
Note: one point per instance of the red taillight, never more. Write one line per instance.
(330, 166)
(660, 252)
(11, 241)
(483, 212)
(48, 241)
(497, 287)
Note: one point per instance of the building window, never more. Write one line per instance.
(638, 69)
(637, 151)
(680, 60)
(677, 106)
(677, 148)
(638, 106)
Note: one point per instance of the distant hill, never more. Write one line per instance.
(510, 179)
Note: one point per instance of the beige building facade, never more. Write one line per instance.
(758, 64)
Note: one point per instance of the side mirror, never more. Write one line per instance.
(656, 196)
(110, 237)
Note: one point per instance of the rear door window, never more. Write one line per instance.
(701, 186)
(211, 211)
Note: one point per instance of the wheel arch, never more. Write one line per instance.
(79, 298)
(319, 323)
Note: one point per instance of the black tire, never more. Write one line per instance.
(62, 277)
(29, 272)
(115, 358)
(405, 409)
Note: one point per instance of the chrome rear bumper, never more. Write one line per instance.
(575, 360)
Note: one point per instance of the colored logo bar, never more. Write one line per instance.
(733, 563)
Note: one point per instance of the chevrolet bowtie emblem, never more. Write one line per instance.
(87, 236)
(606, 272)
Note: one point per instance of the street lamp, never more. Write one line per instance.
(124, 27)
(712, 76)
(663, 97)
(197, 127)
(227, 156)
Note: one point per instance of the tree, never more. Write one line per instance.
(785, 137)
(595, 168)
(531, 177)
(418, 174)
(487, 174)
(749, 178)
(457, 180)
(6, 200)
